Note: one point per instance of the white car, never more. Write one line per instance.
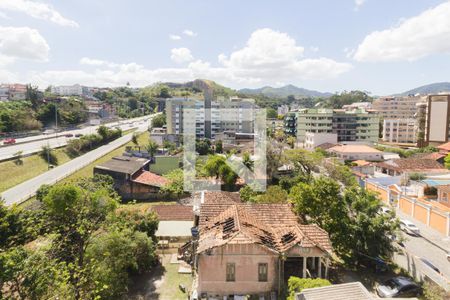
(409, 227)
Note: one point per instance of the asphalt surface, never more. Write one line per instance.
(30, 145)
(27, 189)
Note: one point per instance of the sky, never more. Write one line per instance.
(380, 46)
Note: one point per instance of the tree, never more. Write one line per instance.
(134, 139)
(303, 161)
(296, 285)
(352, 218)
(18, 158)
(291, 140)
(48, 155)
(203, 146)
(219, 146)
(273, 194)
(247, 161)
(175, 186)
(247, 194)
(447, 161)
(271, 113)
(164, 92)
(159, 120)
(152, 147)
(74, 214)
(217, 167)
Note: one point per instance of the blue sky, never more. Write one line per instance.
(382, 46)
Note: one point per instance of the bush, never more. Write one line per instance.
(48, 155)
(416, 176)
(296, 285)
(89, 142)
(430, 191)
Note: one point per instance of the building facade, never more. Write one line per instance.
(313, 140)
(233, 114)
(355, 125)
(433, 118)
(400, 131)
(67, 90)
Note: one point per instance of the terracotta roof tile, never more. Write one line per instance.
(174, 212)
(353, 149)
(274, 226)
(411, 164)
(149, 178)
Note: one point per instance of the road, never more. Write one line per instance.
(429, 246)
(30, 145)
(27, 189)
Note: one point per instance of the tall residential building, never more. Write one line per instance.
(397, 107)
(232, 114)
(433, 120)
(398, 114)
(355, 125)
(400, 131)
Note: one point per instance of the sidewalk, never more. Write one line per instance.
(431, 235)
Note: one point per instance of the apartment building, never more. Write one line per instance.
(67, 90)
(354, 125)
(4, 93)
(400, 131)
(433, 118)
(211, 117)
(398, 114)
(13, 92)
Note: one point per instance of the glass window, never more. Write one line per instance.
(262, 272)
(231, 272)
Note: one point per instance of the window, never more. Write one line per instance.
(262, 272)
(231, 272)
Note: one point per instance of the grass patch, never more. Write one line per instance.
(165, 164)
(88, 171)
(12, 174)
(170, 287)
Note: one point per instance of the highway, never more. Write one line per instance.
(33, 144)
(27, 189)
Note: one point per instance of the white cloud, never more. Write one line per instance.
(97, 62)
(414, 38)
(23, 42)
(37, 10)
(268, 58)
(359, 3)
(314, 49)
(189, 32)
(4, 16)
(181, 55)
(174, 37)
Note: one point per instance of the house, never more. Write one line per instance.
(175, 221)
(132, 180)
(252, 249)
(159, 135)
(314, 139)
(356, 152)
(395, 167)
(439, 157)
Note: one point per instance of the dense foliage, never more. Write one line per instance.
(296, 285)
(76, 147)
(76, 246)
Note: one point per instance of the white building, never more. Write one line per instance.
(67, 90)
(282, 110)
(356, 152)
(400, 131)
(4, 93)
(312, 140)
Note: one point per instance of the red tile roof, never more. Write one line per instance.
(412, 164)
(174, 212)
(149, 178)
(274, 226)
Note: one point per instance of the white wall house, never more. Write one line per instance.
(356, 152)
(312, 139)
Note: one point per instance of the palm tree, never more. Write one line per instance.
(152, 147)
(247, 161)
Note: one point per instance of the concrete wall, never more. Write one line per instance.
(246, 257)
(380, 190)
(426, 213)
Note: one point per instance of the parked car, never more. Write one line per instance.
(78, 135)
(409, 227)
(9, 141)
(399, 287)
(428, 263)
(68, 135)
